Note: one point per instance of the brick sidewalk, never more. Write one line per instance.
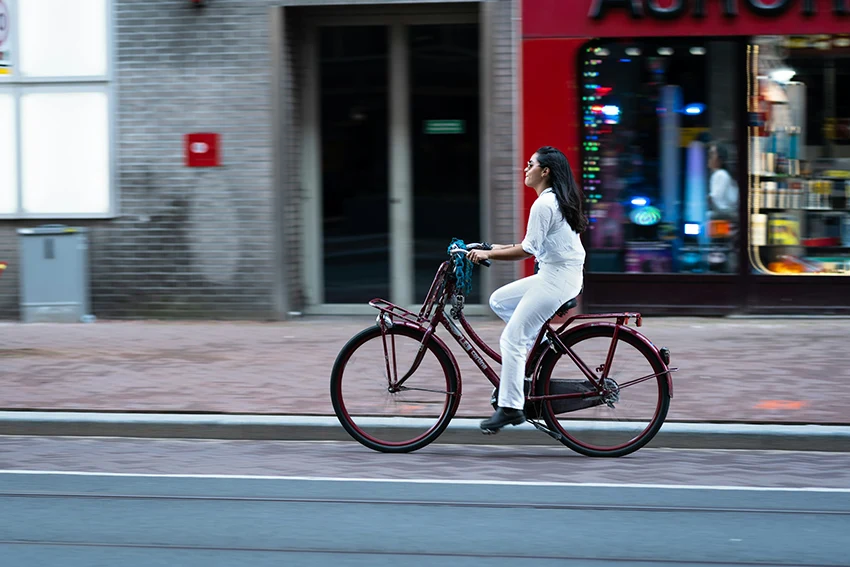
(740, 370)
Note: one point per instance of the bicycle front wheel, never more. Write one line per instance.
(621, 422)
(378, 413)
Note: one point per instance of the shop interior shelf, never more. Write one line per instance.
(801, 246)
(806, 177)
(808, 209)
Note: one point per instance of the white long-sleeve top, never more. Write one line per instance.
(724, 192)
(549, 237)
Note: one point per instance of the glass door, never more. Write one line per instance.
(394, 144)
(354, 94)
(444, 110)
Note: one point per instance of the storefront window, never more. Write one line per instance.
(55, 98)
(799, 154)
(659, 153)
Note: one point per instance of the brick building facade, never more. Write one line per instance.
(228, 241)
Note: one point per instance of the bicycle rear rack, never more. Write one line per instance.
(622, 318)
(391, 311)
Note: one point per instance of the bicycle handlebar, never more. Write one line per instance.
(486, 263)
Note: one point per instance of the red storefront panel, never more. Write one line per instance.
(550, 106)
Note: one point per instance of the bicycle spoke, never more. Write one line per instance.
(407, 388)
(641, 379)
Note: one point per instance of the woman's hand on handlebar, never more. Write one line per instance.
(478, 256)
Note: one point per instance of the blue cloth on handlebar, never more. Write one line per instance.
(462, 267)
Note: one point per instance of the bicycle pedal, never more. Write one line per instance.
(489, 431)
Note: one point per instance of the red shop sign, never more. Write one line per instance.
(632, 18)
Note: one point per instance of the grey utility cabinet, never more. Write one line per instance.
(54, 274)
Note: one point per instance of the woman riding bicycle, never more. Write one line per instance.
(554, 224)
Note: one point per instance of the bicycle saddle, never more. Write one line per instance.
(562, 310)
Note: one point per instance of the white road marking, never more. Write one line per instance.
(483, 482)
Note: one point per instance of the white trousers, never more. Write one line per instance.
(525, 305)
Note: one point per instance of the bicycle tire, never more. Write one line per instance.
(358, 430)
(573, 338)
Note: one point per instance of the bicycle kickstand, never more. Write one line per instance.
(540, 427)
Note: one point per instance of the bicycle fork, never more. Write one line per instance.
(385, 323)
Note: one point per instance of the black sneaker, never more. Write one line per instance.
(502, 417)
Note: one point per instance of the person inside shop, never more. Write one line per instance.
(722, 209)
(555, 223)
(723, 191)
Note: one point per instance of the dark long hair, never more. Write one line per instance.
(723, 156)
(567, 191)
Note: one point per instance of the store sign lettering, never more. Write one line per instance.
(671, 9)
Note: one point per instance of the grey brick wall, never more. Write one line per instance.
(504, 165)
(191, 241)
(202, 242)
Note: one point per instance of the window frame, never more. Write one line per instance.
(18, 85)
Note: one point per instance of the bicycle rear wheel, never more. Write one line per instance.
(380, 416)
(637, 409)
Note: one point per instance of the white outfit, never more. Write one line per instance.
(527, 303)
(724, 194)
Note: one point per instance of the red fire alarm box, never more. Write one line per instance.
(202, 150)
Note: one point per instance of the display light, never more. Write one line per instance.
(695, 108)
(782, 75)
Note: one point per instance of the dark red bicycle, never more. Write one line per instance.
(599, 387)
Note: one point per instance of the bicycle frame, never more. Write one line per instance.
(432, 314)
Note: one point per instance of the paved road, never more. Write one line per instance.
(464, 463)
(92, 520)
(101, 501)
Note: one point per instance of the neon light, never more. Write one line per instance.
(695, 108)
(695, 186)
(640, 201)
(645, 216)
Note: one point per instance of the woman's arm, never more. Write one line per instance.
(539, 219)
(499, 252)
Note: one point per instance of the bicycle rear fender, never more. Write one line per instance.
(623, 329)
(441, 344)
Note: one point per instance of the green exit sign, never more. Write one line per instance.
(445, 126)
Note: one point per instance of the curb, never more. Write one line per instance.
(460, 431)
